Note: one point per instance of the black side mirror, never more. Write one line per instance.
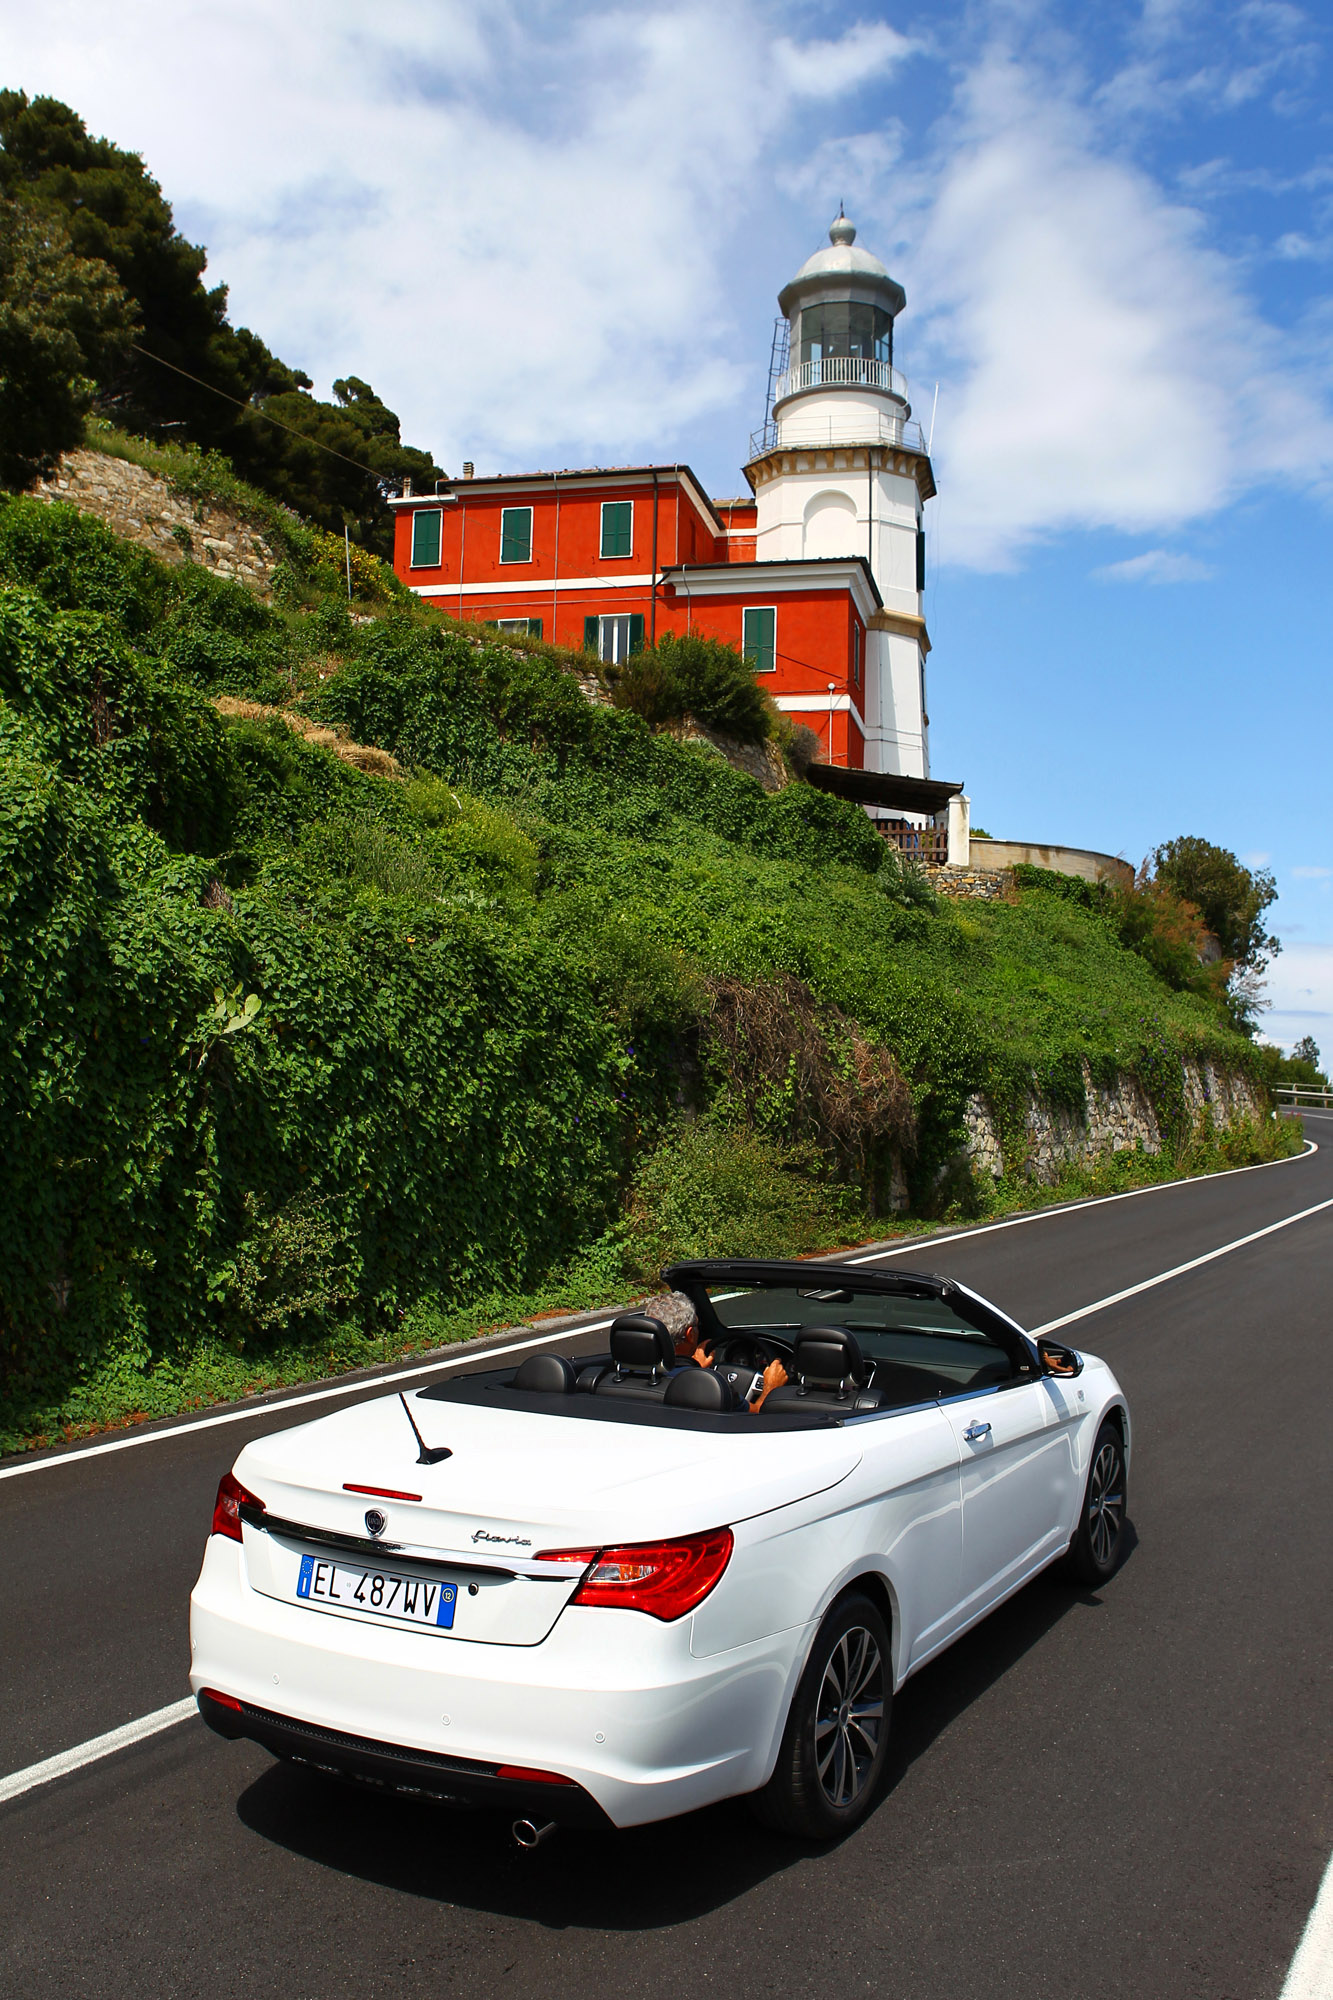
(1058, 1360)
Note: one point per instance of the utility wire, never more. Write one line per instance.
(253, 410)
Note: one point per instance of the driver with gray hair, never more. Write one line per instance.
(681, 1321)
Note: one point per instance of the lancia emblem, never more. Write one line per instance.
(376, 1522)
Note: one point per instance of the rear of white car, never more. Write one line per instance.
(482, 1657)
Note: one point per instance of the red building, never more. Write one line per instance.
(818, 578)
(613, 560)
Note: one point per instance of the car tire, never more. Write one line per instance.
(1099, 1541)
(836, 1738)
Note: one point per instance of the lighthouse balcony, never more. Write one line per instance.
(812, 427)
(842, 371)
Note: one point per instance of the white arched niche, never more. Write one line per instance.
(830, 526)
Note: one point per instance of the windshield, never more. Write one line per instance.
(923, 1333)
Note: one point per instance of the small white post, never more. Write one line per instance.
(831, 686)
(960, 831)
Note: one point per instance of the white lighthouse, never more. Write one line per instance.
(841, 470)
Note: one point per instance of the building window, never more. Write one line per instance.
(842, 331)
(920, 558)
(427, 530)
(760, 639)
(530, 627)
(856, 652)
(617, 528)
(515, 534)
(614, 639)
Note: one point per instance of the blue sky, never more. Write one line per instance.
(551, 234)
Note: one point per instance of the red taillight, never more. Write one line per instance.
(532, 1777)
(232, 1496)
(665, 1579)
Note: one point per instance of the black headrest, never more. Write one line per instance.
(639, 1344)
(827, 1355)
(700, 1389)
(549, 1372)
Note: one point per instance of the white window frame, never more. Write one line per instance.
(614, 619)
(602, 556)
(521, 625)
(773, 610)
(421, 514)
(515, 559)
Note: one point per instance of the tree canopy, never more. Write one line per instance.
(1230, 898)
(115, 217)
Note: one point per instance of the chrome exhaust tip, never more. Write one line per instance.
(528, 1833)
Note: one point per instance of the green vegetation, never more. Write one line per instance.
(102, 303)
(362, 980)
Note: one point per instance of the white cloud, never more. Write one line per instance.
(828, 69)
(1300, 989)
(1155, 566)
(1312, 874)
(533, 227)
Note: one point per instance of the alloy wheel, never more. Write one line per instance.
(849, 1716)
(1106, 1504)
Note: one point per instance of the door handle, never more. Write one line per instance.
(975, 1432)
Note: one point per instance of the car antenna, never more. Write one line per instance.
(429, 1454)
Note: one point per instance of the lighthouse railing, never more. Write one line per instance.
(802, 430)
(841, 371)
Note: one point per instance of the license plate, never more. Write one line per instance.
(345, 1586)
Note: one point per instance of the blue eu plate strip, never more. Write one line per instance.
(307, 1571)
(445, 1614)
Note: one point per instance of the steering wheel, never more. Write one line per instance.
(748, 1350)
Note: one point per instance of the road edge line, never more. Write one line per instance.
(18, 1782)
(1178, 1270)
(1310, 1974)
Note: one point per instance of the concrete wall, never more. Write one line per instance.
(1084, 862)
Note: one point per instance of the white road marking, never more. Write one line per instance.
(294, 1402)
(1178, 1270)
(236, 1416)
(1310, 1976)
(1073, 1207)
(19, 1782)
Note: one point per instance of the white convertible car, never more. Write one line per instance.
(605, 1590)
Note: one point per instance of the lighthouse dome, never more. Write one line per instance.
(842, 269)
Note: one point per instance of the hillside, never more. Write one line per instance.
(359, 977)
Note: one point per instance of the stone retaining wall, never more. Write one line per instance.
(1117, 1121)
(144, 509)
(981, 885)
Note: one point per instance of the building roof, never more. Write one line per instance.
(455, 489)
(884, 788)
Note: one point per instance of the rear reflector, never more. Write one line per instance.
(380, 1492)
(528, 1777)
(226, 1700)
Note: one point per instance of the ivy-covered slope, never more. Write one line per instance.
(484, 990)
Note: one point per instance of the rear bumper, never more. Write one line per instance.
(388, 1767)
(612, 1700)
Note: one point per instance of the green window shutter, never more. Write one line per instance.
(920, 559)
(592, 634)
(617, 528)
(636, 631)
(534, 628)
(516, 534)
(427, 527)
(759, 630)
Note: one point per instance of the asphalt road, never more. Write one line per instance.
(1122, 1793)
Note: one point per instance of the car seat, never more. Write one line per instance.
(828, 1372)
(701, 1389)
(643, 1354)
(549, 1374)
